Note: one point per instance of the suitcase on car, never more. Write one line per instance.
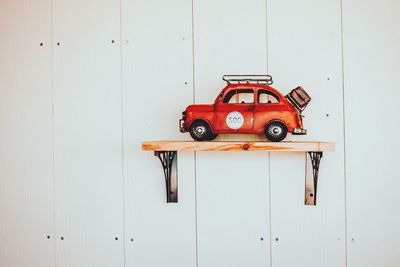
(299, 98)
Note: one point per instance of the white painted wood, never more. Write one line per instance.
(26, 180)
(230, 38)
(157, 83)
(106, 187)
(232, 200)
(88, 133)
(371, 64)
(304, 48)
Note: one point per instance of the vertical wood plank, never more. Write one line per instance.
(88, 133)
(157, 86)
(232, 187)
(371, 64)
(304, 45)
(26, 151)
(232, 201)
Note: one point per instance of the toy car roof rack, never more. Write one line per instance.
(239, 79)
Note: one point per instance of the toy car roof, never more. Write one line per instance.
(240, 79)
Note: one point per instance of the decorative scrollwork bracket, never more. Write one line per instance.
(168, 161)
(310, 197)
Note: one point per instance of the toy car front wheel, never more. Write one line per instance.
(275, 131)
(200, 131)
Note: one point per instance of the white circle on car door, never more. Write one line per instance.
(234, 120)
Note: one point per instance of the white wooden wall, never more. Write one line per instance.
(83, 83)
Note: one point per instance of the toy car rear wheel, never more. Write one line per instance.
(212, 136)
(200, 131)
(275, 131)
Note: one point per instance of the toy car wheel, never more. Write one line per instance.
(212, 136)
(275, 131)
(200, 131)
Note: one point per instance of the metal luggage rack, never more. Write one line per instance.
(229, 79)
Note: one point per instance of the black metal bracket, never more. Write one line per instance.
(312, 186)
(168, 161)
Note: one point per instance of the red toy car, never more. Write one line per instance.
(248, 104)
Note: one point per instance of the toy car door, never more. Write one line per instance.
(234, 113)
(268, 108)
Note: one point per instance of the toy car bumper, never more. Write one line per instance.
(299, 131)
(182, 126)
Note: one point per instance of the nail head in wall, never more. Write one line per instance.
(262, 238)
(48, 237)
(116, 238)
(112, 41)
(131, 239)
(276, 239)
(41, 44)
(58, 43)
(327, 114)
(62, 238)
(327, 78)
(185, 82)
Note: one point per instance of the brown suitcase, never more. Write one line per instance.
(299, 98)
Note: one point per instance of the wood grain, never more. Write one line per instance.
(237, 146)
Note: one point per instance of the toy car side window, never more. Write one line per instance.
(239, 96)
(267, 97)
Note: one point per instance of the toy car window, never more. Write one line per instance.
(242, 96)
(267, 97)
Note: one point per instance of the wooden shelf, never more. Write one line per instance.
(314, 146)
(167, 151)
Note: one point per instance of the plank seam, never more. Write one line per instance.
(344, 133)
(122, 131)
(194, 153)
(53, 131)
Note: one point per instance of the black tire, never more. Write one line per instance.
(275, 131)
(212, 136)
(200, 131)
